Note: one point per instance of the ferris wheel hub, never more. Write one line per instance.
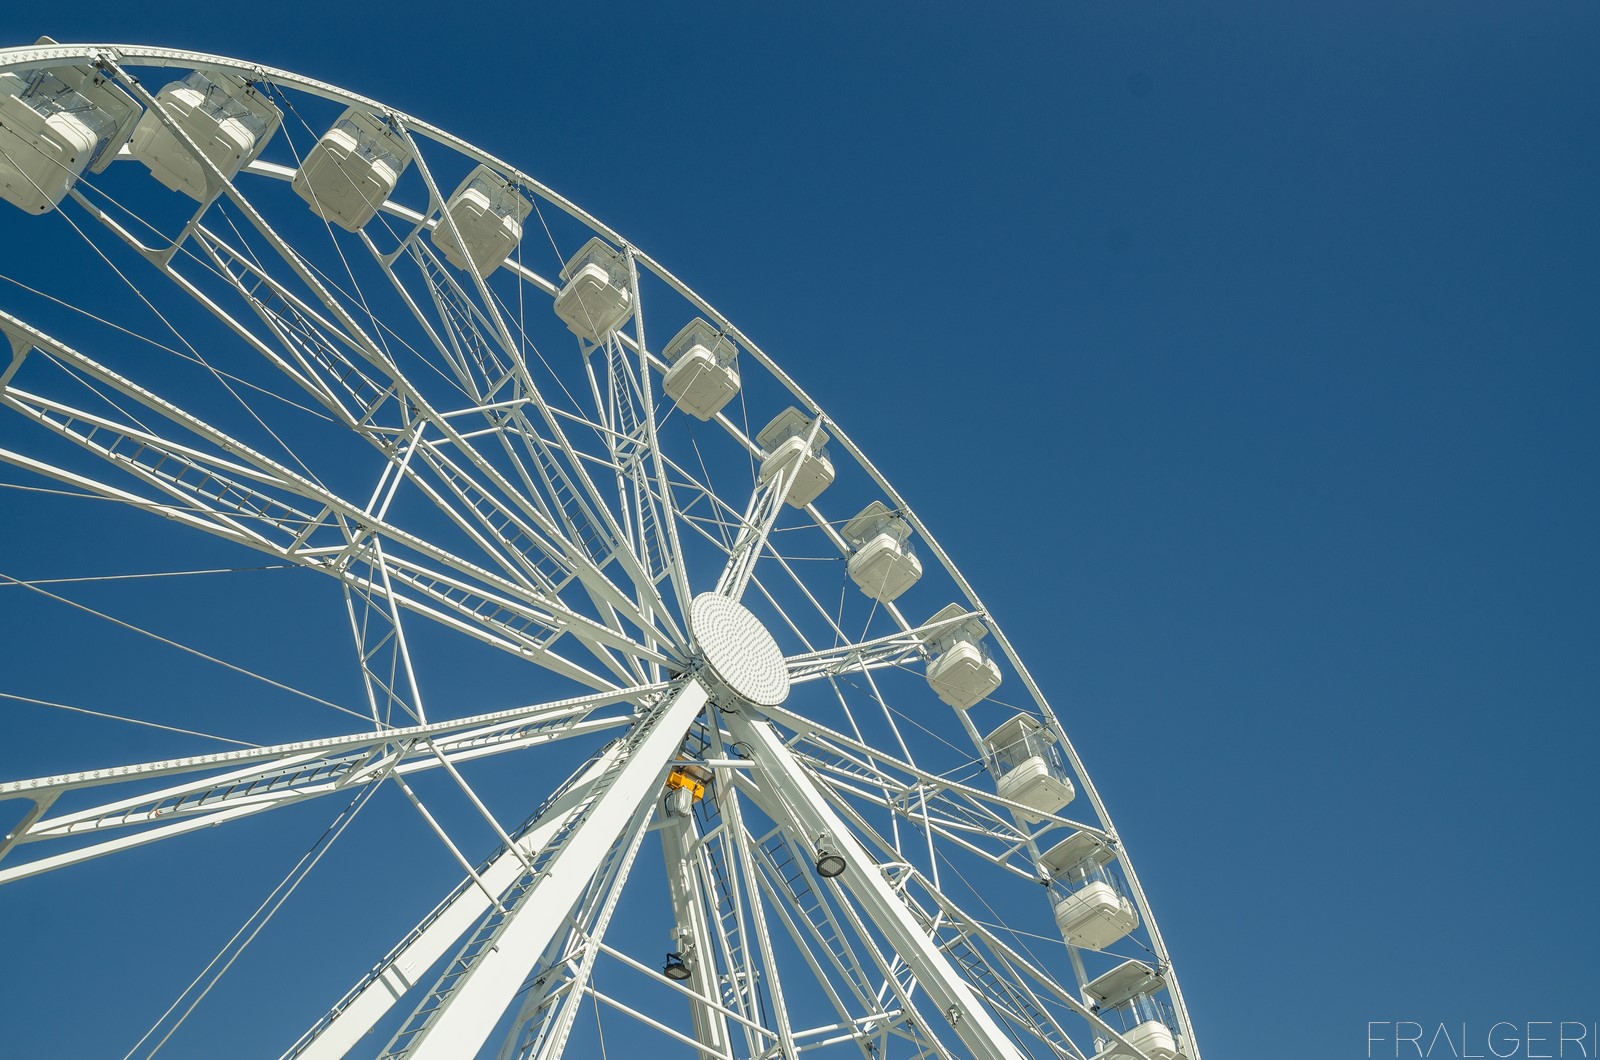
(740, 655)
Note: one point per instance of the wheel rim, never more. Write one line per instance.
(427, 438)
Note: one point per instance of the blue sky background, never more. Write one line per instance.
(1244, 356)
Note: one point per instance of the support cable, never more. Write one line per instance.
(286, 886)
(6, 579)
(130, 721)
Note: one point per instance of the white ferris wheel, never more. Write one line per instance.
(791, 793)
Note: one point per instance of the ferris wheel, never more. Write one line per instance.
(788, 791)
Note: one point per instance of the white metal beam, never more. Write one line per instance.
(463, 1019)
(805, 812)
(406, 964)
(679, 846)
(245, 782)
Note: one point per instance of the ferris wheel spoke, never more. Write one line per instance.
(474, 328)
(228, 785)
(625, 414)
(247, 497)
(1031, 993)
(849, 654)
(993, 969)
(446, 221)
(893, 649)
(961, 813)
(597, 539)
(627, 430)
(583, 509)
(797, 804)
(818, 932)
(548, 542)
(907, 1019)
(532, 544)
(566, 971)
(228, 508)
(429, 593)
(760, 516)
(219, 185)
(654, 482)
(759, 968)
(363, 387)
(499, 621)
(467, 1000)
(403, 967)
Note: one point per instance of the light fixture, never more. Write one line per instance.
(675, 969)
(829, 863)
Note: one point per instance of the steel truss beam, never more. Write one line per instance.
(405, 965)
(800, 808)
(849, 759)
(679, 846)
(227, 492)
(477, 986)
(242, 783)
(894, 649)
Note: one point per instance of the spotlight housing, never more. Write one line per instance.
(829, 863)
(675, 969)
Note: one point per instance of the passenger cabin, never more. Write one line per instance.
(1126, 995)
(486, 211)
(1087, 893)
(883, 564)
(596, 297)
(352, 170)
(960, 671)
(701, 374)
(789, 442)
(226, 118)
(54, 125)
(1027, 766)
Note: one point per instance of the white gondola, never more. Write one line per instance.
(54, 125)
(596, 297)
(228, 120)
(1091, 906)
(352, 170)
(1027, 766)
(960, 671)
(702, 376)
(883, 564)
(487, 211)
(1127, 995)
(789, 442)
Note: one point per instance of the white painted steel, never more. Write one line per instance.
(559, 551)
(691, 934)
(798, 804)
(737, 649)
(476, 1005)
(407, 964)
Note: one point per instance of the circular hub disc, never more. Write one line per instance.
(738, 650)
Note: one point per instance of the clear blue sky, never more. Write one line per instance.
(1247, 358)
